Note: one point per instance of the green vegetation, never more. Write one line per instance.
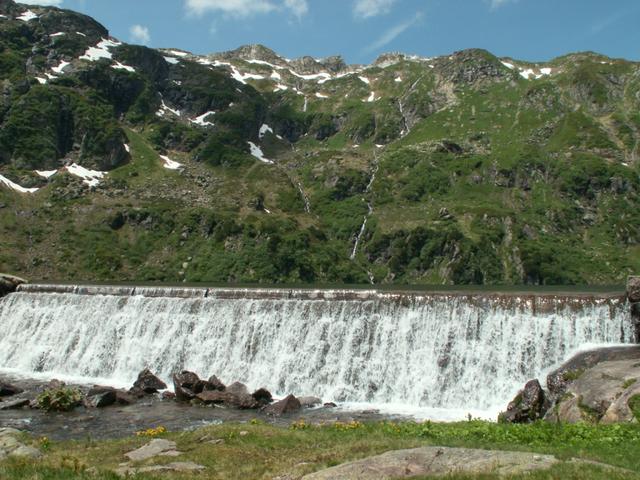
(59, 399)
(266, 451)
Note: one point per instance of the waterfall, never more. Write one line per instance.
(439, 350)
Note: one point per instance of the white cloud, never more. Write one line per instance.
(372, 8)
(499, 3)
(44, 3)
(393, 33)
(241, 8)
(140, 34)
(298, 7)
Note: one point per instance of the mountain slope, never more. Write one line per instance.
(123, 162)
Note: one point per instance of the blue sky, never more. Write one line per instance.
(360, 30)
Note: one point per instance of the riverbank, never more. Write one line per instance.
(255, 450)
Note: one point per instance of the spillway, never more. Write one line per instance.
(433, 350)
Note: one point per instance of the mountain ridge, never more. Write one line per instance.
(121, 161)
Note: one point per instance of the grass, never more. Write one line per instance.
(257, 450)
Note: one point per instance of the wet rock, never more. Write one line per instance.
(428, 461)
(262, 396)
(183, 384)
(238, 388)
(528, 406)
(288, 404)
(329, 405)
(100, 397)
(124, 398)
(15, 404)
(8, 390)
(9, 283)
(168, 396)
(307, 402)
(148, 382)
(214, 383)
(240, 401)
(633, 289)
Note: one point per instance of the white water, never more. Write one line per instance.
(442, 353)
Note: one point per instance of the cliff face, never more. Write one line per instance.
(120, 161)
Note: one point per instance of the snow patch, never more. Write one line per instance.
(275, 76)
(365, 80)
(202, 120)
(90, 177)
(127, 148)
(27, 16)
(121, 66)
(510, 66)
(177, 53)
(322, 76)
(41, 80)
(46, 173)
(101, 50)
(171, 60)
(14, 186)
(281, 88)
(398, 79)
(60, 67)
(81, 34)
(264, 129)
(164, 109)
(256, 151)
(321, 95)
(371, 98)
(529, 73)
(59, 34)
(170, 164)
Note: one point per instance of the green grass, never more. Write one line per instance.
(267, 451)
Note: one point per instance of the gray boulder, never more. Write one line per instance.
(528, 406)
(8, 390)
(148, 382)
(288, 404)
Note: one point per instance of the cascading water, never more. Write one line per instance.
(452, 351)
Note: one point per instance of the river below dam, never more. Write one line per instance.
(436, 355)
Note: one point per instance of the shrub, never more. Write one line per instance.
(59, 399)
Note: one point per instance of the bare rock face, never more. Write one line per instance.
(287, 405)
(601, 393)
(528, 406)
(633, 289)
(148, 382)
(9, 283)
(438, 461)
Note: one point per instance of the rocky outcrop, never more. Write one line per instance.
(9, 283)
(11, 446)
(528, 406)
(148, 382)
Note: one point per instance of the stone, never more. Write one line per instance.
(127, 471)
(10, 446)
(428, 461)
(124, 398)
(288, 404)
(329, 405)
(101, 397)
(168, 396)
(633, 289)
(238, 388)
(528, 406)
(216, 397)
(15, 404)
(308, 402)
(183, 384)
(620, 411)
(152, 449)
(262, 396)
(8, 390)
(9, 283)
(148, 382)
(214, 383)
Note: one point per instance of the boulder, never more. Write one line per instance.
(183, 384)
(9, 283)
(148, 382)
(214, 383)
(8, 390)
(100, 397)
(238, 388)
(329, 405)
(288, 404)
(633, 289)
(15, 404)
(622, 409)
(240, 401)
(308, 402)
(124, 398)
(262, 396)
(528, 406)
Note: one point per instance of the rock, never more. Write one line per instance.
(329, 405)
(15, 404)
(8, 390)
(598, 391)
(308, 402)
(262, 396)
(124, 398)
(288, 404)
(10, 446)
(528, 406)
(127, 471)
(9, 283)
(148, 382)
(168, 396)
(238, 388)
(152, 449)
(620, 410)
(183, 384)
(100, 397)
(559, 379)
(428, 461)
(633, 289)
(214, 383)
(216, 397)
